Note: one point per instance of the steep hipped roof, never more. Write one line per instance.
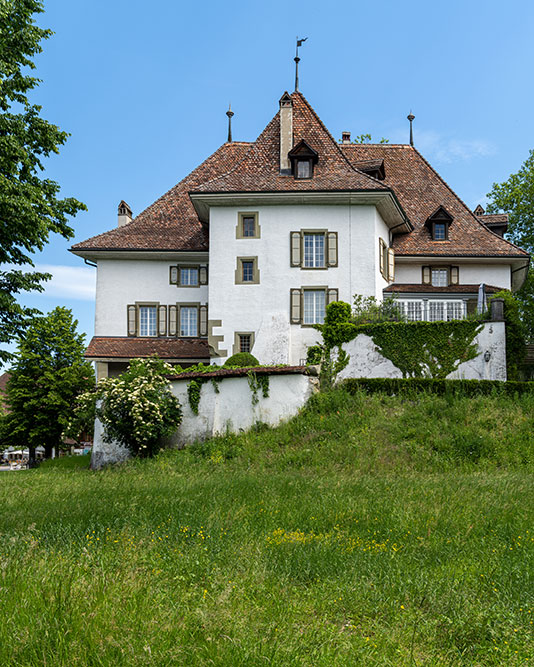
(259, 170)
(421, 191)
(171, 222)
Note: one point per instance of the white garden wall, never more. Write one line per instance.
(366, 362)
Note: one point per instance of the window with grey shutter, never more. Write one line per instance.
(295, 297)
(295, 249)
(455, 275)
(162, 320)
(203, 275)
(203, 316)
(173, 318)
(332, 295)
(427, 275)
(132, 320)
(332, 248)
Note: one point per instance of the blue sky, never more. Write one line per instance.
(143, 89)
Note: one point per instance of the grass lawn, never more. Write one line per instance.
(370, 530)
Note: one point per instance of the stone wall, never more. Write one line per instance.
(490, 364)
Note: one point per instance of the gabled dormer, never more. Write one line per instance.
(303, 159)
(438, 224)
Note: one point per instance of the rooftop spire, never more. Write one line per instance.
(411, 117)
(229, 113)
(297, 60)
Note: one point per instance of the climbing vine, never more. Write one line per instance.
(417, 349)
(257, 382)
(193, 394)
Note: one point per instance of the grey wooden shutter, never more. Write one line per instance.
(203, 317)
(331, 296)
(331, 240)
(382, 258)
(455, 275)
(295, 298)
(391, 264)
(162, 320)
(427, 276)
(295, 251)
(173, 275)
(173, 317)
(132, 320)
(203, 275)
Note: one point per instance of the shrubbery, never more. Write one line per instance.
(241, 360)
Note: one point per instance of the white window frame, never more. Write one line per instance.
(187, 309)
(316, 311)
(149, 309)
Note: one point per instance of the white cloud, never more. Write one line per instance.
(447, 149)
(70, 282)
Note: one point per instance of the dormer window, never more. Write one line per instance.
(303, 158)
(438, 224)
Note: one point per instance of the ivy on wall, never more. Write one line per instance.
(417, 349)
(194, 386)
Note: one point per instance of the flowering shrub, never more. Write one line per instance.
(137, 408)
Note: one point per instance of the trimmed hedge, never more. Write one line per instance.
(436, 386)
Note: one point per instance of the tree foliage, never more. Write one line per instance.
(515, 196)
(137, 409)
(30, 207)
(48, 374)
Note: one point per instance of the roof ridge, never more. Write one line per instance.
(473, 216)
(335, 143)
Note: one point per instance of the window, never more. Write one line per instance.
(304, 169)
(247, 272)
(433, 310)
(313, 249)
(413, 310)
(439, 278)
(189, 276)
(243, 341)
(440, 231)
(308, 304)
(314, 306)
(248, 226)
(147, 320)
(188, 321)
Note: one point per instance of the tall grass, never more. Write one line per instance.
(370, 530)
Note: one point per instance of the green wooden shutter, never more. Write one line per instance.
(295, 248)
(132, 320)
(173, 317)
(427, 276)
(203, 275)
(331, 240)
(332, 295)
(391, 265)
(162, 320)
(203, 316)
(455, 275)
(295, 297)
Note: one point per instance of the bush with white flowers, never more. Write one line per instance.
(137, 408)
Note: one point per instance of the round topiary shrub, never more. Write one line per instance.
(241, 360)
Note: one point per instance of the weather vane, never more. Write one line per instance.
(297, 60)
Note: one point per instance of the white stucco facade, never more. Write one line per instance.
(264, 308)
(497, 274)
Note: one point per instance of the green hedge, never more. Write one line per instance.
(436, 386)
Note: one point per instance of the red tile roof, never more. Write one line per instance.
(171, 222)
(259, 169)
(421, 191)
(109, 347)
(417, 288)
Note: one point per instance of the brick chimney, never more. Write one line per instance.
(345, 137)
(286, 132)
(125, 214)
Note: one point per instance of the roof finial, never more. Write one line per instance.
(411, 117)
(297, 60)
(230, 113)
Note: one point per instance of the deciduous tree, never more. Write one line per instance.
(48, 374)
(515, 196)
(30, 206)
